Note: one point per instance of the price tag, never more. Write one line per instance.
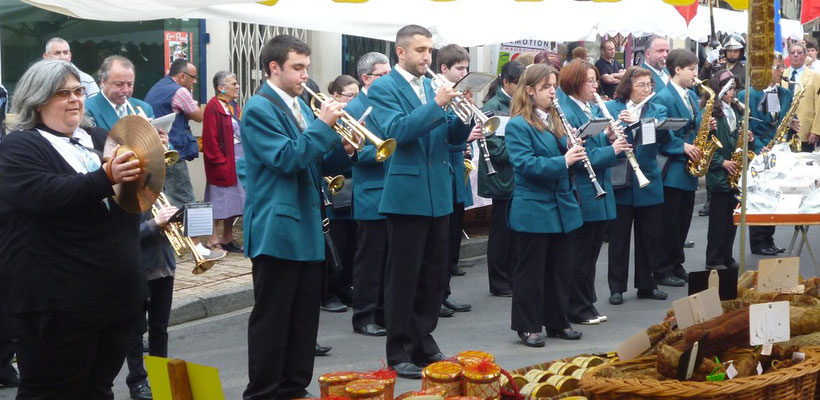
(769, 323)
(731, 372)
(648, 132)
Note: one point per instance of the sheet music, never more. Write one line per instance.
(647, 132)
(164, 122)
(199, 219)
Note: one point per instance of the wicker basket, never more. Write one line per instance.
(796, 382)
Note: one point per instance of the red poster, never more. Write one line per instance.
(177, 46)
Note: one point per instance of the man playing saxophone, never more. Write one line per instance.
(807, 111)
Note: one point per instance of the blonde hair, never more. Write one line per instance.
(523, 105)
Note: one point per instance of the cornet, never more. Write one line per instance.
(352, 131)
(171, 156)
(335, 184)
(179, 242)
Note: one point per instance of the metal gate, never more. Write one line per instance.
(245, 46)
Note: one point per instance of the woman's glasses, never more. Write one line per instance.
(63, 94)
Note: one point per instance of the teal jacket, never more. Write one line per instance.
(656, 79)
(368, 174)
(283, 171)
(104, 116)
(646, 155)
(543, 200)
(601, 156)
(764, 130)
(419, 177)
(676, 175)
(500, 185)
(717, 176)
(461, 186)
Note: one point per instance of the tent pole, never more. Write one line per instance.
(745, 166)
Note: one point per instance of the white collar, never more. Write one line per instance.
(114, 106)
(288, 99)
(364, 90)
(410, 78)
(660, 72)
(584, 106)
(542, 114)
(68, 151)
(684, 93)
(799, 70)
(504, 91)
(771, 88)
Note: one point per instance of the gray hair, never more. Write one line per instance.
(798, 44)
(36, 87)
(368, 62)
(651, 40)
(105, 68)
(220, 77)
(52, 41)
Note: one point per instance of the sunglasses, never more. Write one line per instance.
(63, 94)
(192, 76)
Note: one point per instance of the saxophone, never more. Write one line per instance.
(707, 143)
(737, 155)
(785, 123)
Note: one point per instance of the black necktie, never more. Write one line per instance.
(792, 80)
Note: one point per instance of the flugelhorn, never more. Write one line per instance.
(616, 129)
(179, 242)
(335, 184)
(351, 130)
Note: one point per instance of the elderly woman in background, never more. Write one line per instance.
(222, 147)
(71, 284)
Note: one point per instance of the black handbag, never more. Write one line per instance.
(343, 200)
(620, 176)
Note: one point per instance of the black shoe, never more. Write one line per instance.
(591, 321)
(457, 307)
(407, 370)
(434, 358)
(703, 212)
(11, 381)
(531, 339)
(466, 263)
(671, 281)
(653, 294)
(141, 392)
(232, 247)
(333, 305)
(566, 334)
(457, 271)
(616, 298)
(321, 350)
(681, 273)
(688, 244)
(717, 267)
(732, 264)
(371, 330)
(445, 312)
(504, 293)
(768, 251)
(778, 249)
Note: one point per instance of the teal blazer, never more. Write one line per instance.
(419, 177)
(717, 178)
(656, 79)
(104, 116)
(764, 131)
(283, 171)
(676, 175)
(602, 158)
(463, 190)
(543, 200)
(652, 194)
(368, 174)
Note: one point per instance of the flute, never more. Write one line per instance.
(575, 141)
(630, 155)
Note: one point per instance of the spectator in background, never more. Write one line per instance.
(222, 146)
(344, 88)
(58, 49)
(610, 69)
(526, 59)
(580, 53)
(550, 58)
(811, 60)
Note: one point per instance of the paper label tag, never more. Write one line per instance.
(769, 323)
(772, 102)
(731, 372)
(759, 369)
(766, 349)
(648, 132)
(778, 274)
(634, 346)
(697, 308)
(798, 356)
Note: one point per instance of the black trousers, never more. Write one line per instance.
(761, 237)
(415, 282)
(807, 147)
(647, 222)
(501, 250)
(72, 355)
(540, 282)
(454, 249)
(282, 327)
(343, 233)
(158, 307)
(368, 273)
(585, 247)
(721, 234)
(677, 216)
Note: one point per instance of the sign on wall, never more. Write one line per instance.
(512, 50)
(178, 46)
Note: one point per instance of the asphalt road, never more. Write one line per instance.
(222, 341)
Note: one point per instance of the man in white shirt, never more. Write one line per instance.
(58, 48)
(117, 78)
(809, 107)
(657, 49)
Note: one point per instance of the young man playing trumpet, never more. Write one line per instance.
(417, 199)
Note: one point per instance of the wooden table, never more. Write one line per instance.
(801, 223)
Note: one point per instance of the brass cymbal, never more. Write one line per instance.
(136, 134)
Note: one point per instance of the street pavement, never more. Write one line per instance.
(221, 341)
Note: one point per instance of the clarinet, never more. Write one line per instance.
(573, 141)
(616, 129)
(482, 143)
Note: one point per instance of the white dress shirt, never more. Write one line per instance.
(584, 106)
(291, 102)
(684, 95)
(415, 82)
(82, 160)
(661, 72)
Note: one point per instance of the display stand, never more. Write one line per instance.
(801, 223)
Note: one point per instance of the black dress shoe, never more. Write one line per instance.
(10, 381)
(457, 307)
(616, 298)
(321, 350)
(141, 392)
(681, 273)
(333, 305)
(445, 312)
(732, 264)
(671, 281)
(703, 212)
(653, 294)
(778, 249)
(566, 334)
(407, 370)
(503, 293)
(457, 271)
(688, 244)
(768, 251)
(371, 330)
(434, 358)
(531, 339)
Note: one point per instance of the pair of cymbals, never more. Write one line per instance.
(135, 133)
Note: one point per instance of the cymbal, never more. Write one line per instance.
(136, 134)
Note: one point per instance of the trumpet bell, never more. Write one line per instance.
(335, 184)
(489, 126)
(385, 149)
(171, 157)
(203, 266)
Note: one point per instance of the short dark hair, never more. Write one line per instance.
(604, 42)
(178, 66)
(680, 58)
(278, 48)
(407, 32)
(624, 89)
(811, 44)
(338, 85)
(450, 55)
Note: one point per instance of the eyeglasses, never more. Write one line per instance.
(778, 67)
(592, 81)
(377, 75)
(64, 94)
(796, 52)
(642, 85)
(348, 95)
(192, 76)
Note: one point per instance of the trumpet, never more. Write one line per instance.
(352, 131)
(630, 155)
(179, 242)
(335, 184)
(171, 156)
